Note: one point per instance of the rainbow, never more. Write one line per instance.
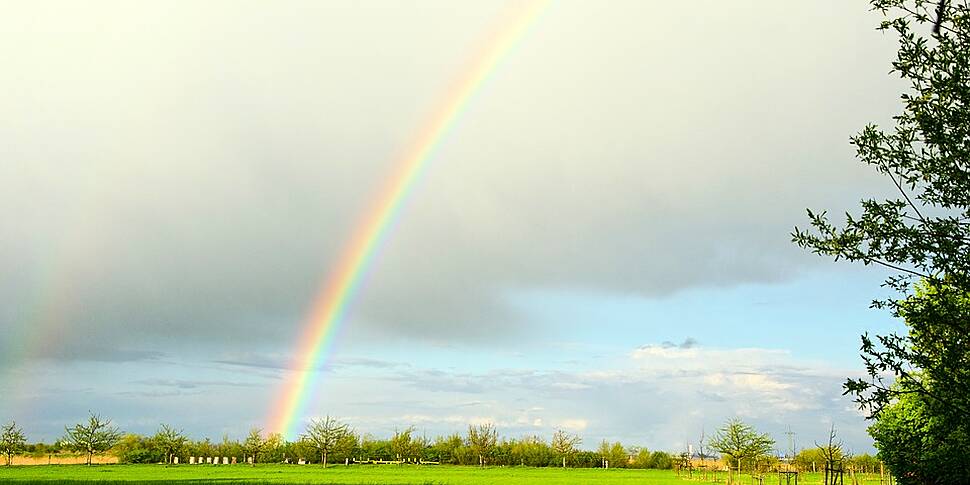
(331, 304)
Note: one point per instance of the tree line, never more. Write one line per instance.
(328, 440)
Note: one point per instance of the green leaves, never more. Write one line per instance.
(923, 236)
(326, 434)
(739, 441)
(12, 440)
(170, 440)
(924, 233)
(96, 436)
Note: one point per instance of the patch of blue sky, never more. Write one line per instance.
(817, 315)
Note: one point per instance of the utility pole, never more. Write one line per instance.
(791, 442)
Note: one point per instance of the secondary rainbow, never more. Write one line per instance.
(331, 304)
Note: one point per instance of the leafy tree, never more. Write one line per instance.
(302, 449)
(604, 452)
(922, 235)
(373, 448)
(482, 439)
(445, 449)
(97, 436)
(661, 460)
(586, 459)
(613, 455)
(619, 458)
(918, 443)
(348, 445)
(170, 441)
(565, 444)
(12, 440)
(132, 448)
(230, 447)
(324, 435)
(205, 447)
(641, 457)
(809, 459)
(532, 451)
(403, 444)
(275, 449)
(255, 444)
(865, 463)
(738, 441)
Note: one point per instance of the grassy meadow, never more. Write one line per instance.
(357, 475)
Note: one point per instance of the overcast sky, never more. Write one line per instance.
(601, 243)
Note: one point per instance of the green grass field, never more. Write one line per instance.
(355, 475)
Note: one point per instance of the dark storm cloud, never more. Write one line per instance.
(192, 384)
(191, 187)
(276, 362)
(98, 353)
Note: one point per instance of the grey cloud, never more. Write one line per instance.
(98, 353)
(257, 361)
(711, 396)
(645, 407)
(194, 184)
(192, 384)
(279, 362)
(168, 393)
(688, 343)
(367, 363)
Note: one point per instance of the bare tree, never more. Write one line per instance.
(565, 444)
(700, 445)
(832, 452)
(324, 435)
(482, 439)
(12, 440)
(97, 436)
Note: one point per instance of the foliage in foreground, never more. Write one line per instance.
(918, 384)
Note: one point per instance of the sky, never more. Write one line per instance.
(601, 242)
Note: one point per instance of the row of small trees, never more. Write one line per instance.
(97, 435)
(328, 439)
